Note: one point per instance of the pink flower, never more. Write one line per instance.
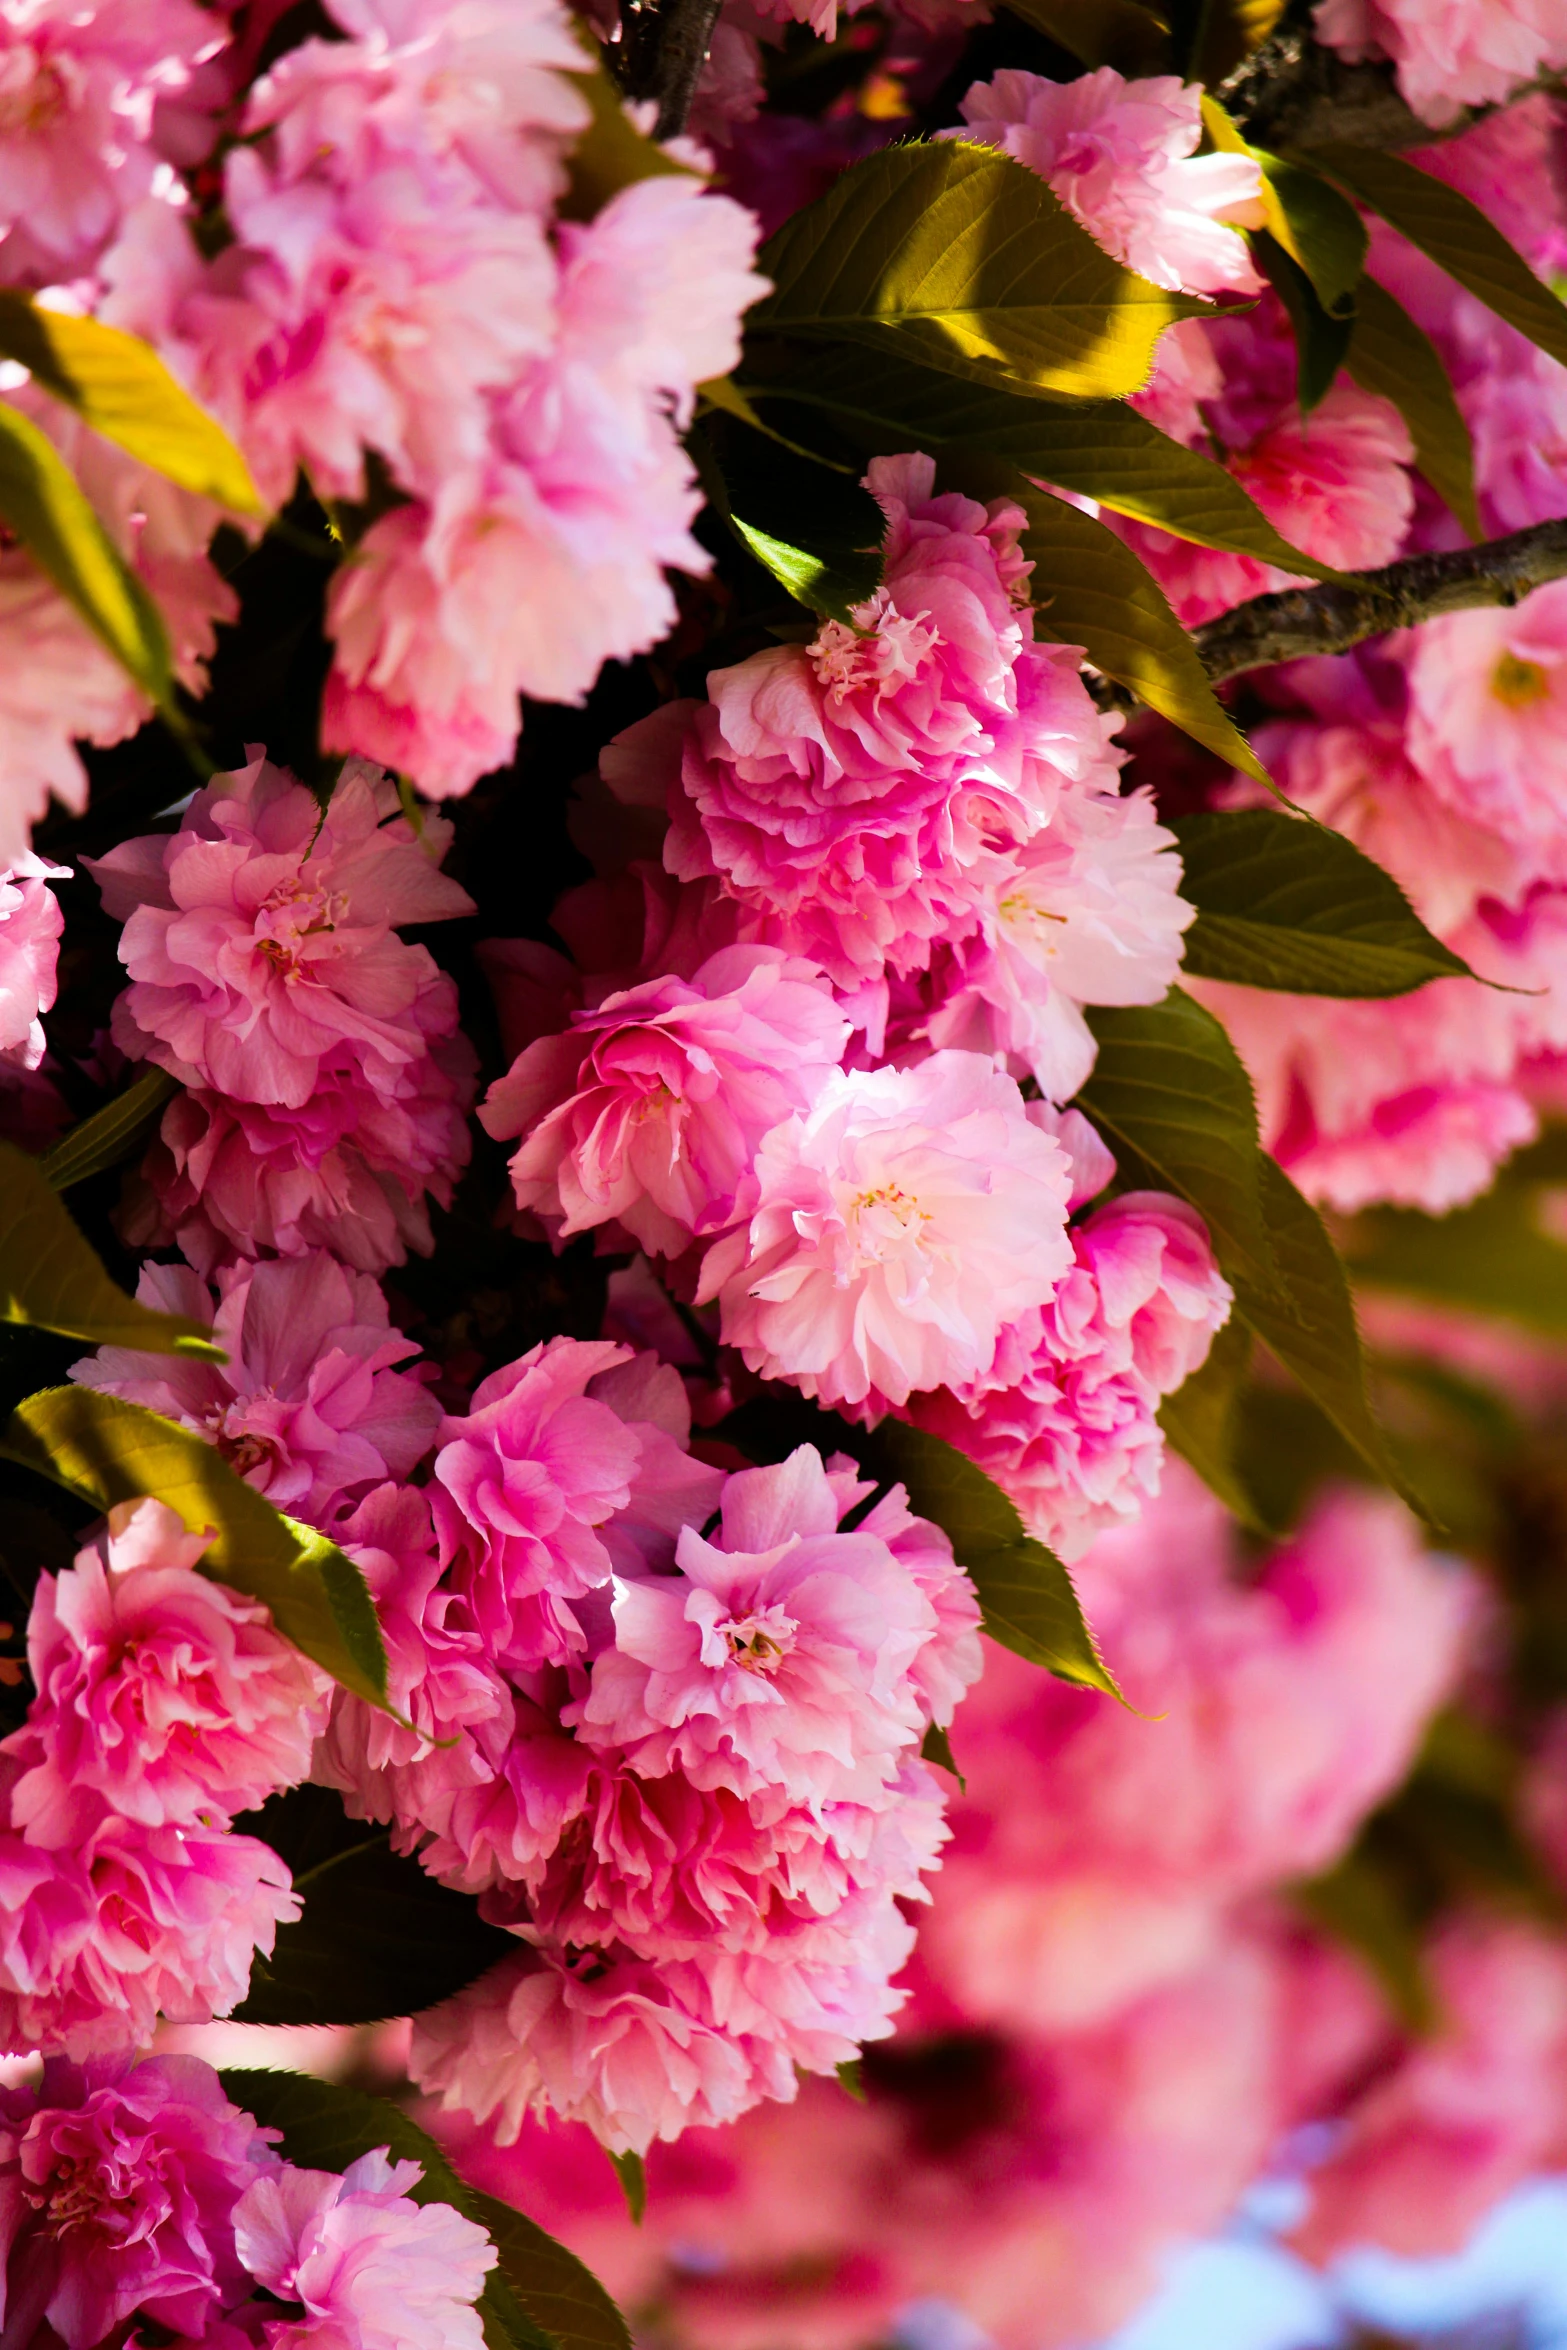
(307, 1407)
(649, 1110)
(58, 686)
(1064, 1419)
(855, 795)
(777, 1661)
(1467, 2115)
(369, 2268)
(901, 1223)
(266, 973)
(1450, 53)
(1122, 156)
(521, 1485)
(100, 1940)
(30, 925)
(1486, 690)
(1087, 912)
(78, 85)
(119, 2186)
(161, 1696)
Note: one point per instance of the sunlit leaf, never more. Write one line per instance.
(51, 1278)
(1318, 227)
(107, 1450)
(1283, 903)
(1390, 355)
(815, 529)
(119, 385)
(959, 257)
(42, 505)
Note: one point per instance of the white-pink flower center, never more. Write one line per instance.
(291, 914)
(1517, 683)
(757, 1642)
(242, 1446)
(885, 1221)
(1033, 928)
(891, 651)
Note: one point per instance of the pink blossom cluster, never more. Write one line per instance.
(324, 1078)
(896, 868)
(30, 925)
(1450, 54)
(136, 2193)
(666, 1723)
(164, 1704)
(1114, 2020)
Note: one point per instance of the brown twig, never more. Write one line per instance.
(660, 55)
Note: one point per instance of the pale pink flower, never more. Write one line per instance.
(78, 85)
(307, 1408)
(58, 686)
(777, 1661)
(1087, 912)
(267, 975)
(1466, 2115)
(1486, 693)
(1122, 155)
(365, 2264)
(855, 795)
(117, 2189)
(648, 1111)
(522, 1482)
(161, 1695)
(1450, 53)
(99, 1940)
(901, 1224)
(31, 921)
(1065, 1418)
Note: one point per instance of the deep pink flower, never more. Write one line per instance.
(369, 2268)
(777, 1661)
(30, 925)
(853, 795)
(266, 974)
(650, 1108)
(117, 2192)
(1064, 1419)
(1087, 912)
(307, 1408)
(162, 1697)
(901, 1223)
(1122, 156)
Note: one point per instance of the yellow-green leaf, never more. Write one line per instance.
(51, 1278)
(41, 502)
(119, 385)
(1390, 355)
(1092, 591)
(1456, 234)
(111, 1133)
(107, 1451)
(1318, 227)
(1102, 32)
(959, 257)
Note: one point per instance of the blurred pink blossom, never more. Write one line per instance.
(31, 921)
(1449, 53)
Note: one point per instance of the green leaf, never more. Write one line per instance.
(1358, 1903)
(1390, 355)
(1318, 228)
(1285, 903)
(1219, 33)
(1311, 1328)
(852, 2078)
(1505, 1255)
(815, 529)
(1199, 1422)
(378, 1937)
(936, 1747)
(119, 385)
(1456, 234)
(108, 1450)
(110, 1134)
(611, 153)
(1098, 449)
(49, 1276)
(326, 2126)
(41, 503)
(1321, 341)
(1026, 1593)
(1101, 32)
(1093, 591)
(959, 257)
(1172, 1099)
(629, 2170)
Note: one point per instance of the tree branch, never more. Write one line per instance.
(1301, 621)
(1294, 92)
(662, 50)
